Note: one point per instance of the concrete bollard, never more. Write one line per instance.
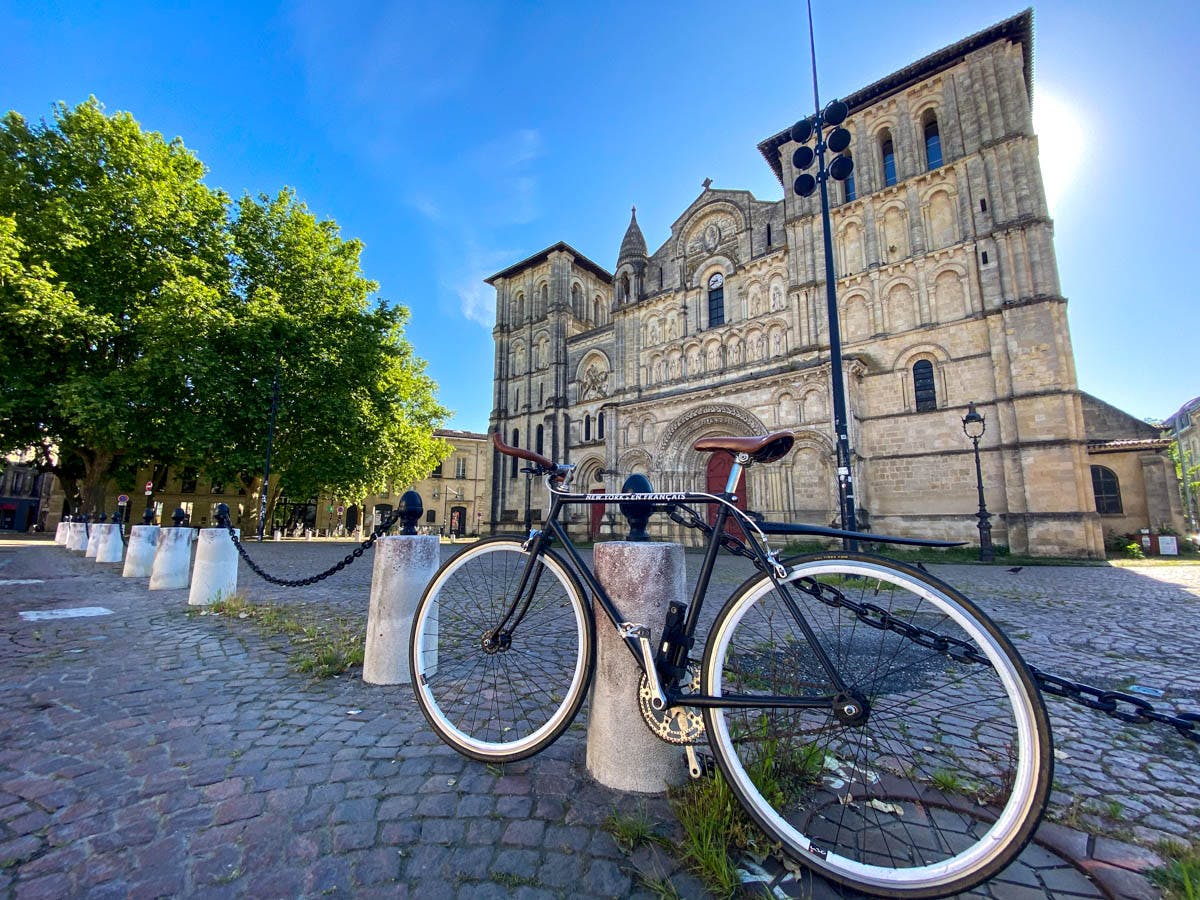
(642, 579)
(139, 559)
(61, 532)
(111, 548)
(93, 541)
(277, 535)
(214, 576)
(404, 565)
(78, 537)
(172, 559)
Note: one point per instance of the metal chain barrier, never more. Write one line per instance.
(380, 529)
(1115, 704)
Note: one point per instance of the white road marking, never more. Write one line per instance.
(6, 581)
(37, 615)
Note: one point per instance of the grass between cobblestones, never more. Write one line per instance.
(319, 644)
(1180, 877)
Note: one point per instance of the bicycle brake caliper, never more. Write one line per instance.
(527, 545)
(780, 570)
(629, 630)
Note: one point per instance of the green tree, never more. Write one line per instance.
(108, 229)
(356, 409)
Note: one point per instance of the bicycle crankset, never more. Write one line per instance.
(679, 724)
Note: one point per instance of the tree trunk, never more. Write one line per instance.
(98, 467)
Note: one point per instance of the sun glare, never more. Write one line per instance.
(1061, 145)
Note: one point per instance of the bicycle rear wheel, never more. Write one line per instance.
(935, 772)
(501, 701)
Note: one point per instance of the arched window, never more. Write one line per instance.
(587, 427)
(933, 140)
(1107, 489)
(888, 154)
(516, 443)
(596, 310)
(600, 426)
(538, 439)
(848, 184)
(926, 393)
(519, 309)
(716, 300)
(624, 284)
(577, 301)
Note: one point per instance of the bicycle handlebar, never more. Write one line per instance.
(544, 461)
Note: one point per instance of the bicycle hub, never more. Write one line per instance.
(851, 708)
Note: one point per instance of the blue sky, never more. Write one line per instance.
(455, 138)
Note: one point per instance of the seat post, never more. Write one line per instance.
(735, 472)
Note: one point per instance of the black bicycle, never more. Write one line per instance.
(870, 719)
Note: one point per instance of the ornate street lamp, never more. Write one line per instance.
(836, 141)
(973, 427)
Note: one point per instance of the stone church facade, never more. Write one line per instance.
(948, 293)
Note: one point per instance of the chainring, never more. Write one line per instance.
(678, 725)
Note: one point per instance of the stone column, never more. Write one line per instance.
(404, 565)
(143, 541)
(214, 577)
(172, 559)
(112, 546)
(642, 579)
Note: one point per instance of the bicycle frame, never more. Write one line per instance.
(764, 559)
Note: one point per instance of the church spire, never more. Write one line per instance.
(633, 246)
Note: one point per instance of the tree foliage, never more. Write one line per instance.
(147, 327)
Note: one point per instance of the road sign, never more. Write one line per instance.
(122, 499)
(149, 486)
(341, 509)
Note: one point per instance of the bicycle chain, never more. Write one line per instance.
(335, 568)
(874, 616)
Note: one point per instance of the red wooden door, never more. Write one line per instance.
(597, 515)
(716, 474)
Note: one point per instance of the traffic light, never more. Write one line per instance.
(837, 141)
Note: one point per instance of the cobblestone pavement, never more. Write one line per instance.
(149, 753)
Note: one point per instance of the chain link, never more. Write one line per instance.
(357, 553)
(1136, 710)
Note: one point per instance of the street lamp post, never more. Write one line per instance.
(973, 427)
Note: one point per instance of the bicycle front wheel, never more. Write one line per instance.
(501, 698)
(927, 774)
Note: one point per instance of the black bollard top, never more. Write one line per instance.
(411, 508)
(223, 515)
(148, 516)
(637, 512)
(179, 518)
(102, 518)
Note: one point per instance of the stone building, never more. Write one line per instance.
(948, 293)
(1183, 427)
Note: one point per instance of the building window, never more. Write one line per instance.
(218, 487)
(848, 184)
(600, 426)
(540, 434)
(437, 471)
(460, 467)
(1107, 489)
(716, 300)
(516, 443)
(587, 427)
(933, 141)
(187, 481)
(926, 393)
(889, 158)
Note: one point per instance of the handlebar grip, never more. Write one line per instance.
(544, 461)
